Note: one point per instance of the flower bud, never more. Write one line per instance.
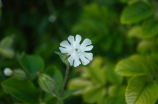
(19, 74)
(52, 18)
(7, 52)
(8, 72)
(63, 57)
(46, 83)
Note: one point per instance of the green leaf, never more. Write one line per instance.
(134, 66)
(7, 52)
(56, 75)
(136, 12)
(22, 90)
(155, 58)
(115, 91)
(94, 94)
(49, 99)
(79, 83)
(32, 64)
(68, 93)
(97, 74)
(7, 42)
(97, 62)
(147, 46)
(135, 32)
(113, 100)
(139, 91)
(112, 76)
(150, 28)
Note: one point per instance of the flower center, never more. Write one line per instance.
(76, 49)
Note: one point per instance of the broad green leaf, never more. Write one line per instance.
(115, 90)
(49, 99)
(112, 100)
(139, 91)
(97, 74)
(94, 95)
(22, 90)
(152, 64)
(32, 64)
(97, 62)
(150, 28)
(147, 46)
(7, 52)
(135, 32)
(155, 58)
(85, 74)
(68, 93)
(7, 42)
(136, 12)
(56, 75)
(19, 37)
(134, 66)
(155, 62)
(79, 83)
(112, 76)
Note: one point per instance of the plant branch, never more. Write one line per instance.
(65, 79)
(59, 100)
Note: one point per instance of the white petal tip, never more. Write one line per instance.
(70, 37)
(78, 35)
(86, 63)
(76, 65)
(61, 49)
(8, 72)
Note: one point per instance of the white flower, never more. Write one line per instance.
(8, 72)
(77, 50)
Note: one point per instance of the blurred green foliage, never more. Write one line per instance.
(124, 34)
(99, 83)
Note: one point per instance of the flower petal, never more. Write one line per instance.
(64, 50)
(77, 62)
(65, 44)
(77, 42)
(88, 48)
(89, 56)
(86, 42)
(74, 58)
(71, 40)
(71, 59)
(84, 60)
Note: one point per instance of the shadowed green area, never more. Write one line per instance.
(124, 34)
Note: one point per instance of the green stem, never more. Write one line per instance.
(64, 83)
(65, 79)
(59, 100)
